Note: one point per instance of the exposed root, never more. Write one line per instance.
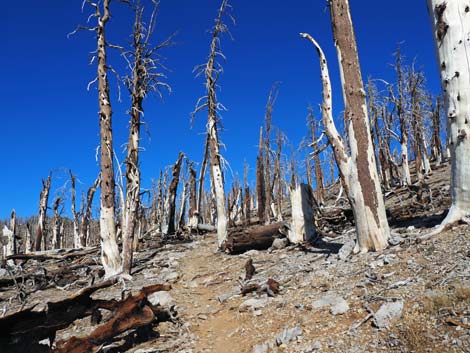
(456, 214)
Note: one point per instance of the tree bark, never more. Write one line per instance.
(451, 27)
(56, 224)
(76, 230)
(86, 214)
(193, 213)
(40, 232)
(110, 257)
(303, 224)
(172, 194)
(358, 171)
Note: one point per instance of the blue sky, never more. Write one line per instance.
(50, 122)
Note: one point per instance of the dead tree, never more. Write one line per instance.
(12, 246)
(84, 229)
(260, 181)
(41, 237)
(56, 223)
(212, 71)
(358, 170)
(75, 216)
(202, 174)
(110, 257)
(144, 62)
(246, 196)
(273, 92)
(451, 27)
(172, 190)
(398, 100)
(193, 210)
(180, 223)
(278, 180)
(436, 144)
(320, 191)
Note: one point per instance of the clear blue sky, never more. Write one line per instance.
(50, 122)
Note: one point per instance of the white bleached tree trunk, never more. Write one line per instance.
(302, 226)
(451, 27)
(358, 170)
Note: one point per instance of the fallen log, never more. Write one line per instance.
(131, 313)
(259, 238)
(54, 254)
(22, 331)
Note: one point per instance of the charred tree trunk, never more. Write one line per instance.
(41, 229)
(320, 191)
(358, 171)
(172, 194)
(451, 27)
(278, 181)
(303, 224)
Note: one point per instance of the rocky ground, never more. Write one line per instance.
(412, 297)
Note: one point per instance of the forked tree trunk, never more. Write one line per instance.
(302, 227)
(451, 27)
(358, 171)
(41, 229)
(110, 257)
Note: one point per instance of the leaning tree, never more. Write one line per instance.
(451, 28)
(358, 169)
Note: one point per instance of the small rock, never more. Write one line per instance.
(252, 304)
(280, 243)
(395, 240)
(340, 307)
(257, 313)
(251, 253)
(161, 298)
(387, 313)
(287, 335)
(224, 297)
(346, 249)
(315, 346)
(261, 348)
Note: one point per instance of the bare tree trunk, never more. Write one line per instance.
(110, 257)
(193, 213)
(76, 231)
(278, 181)
(358, 171)
(29, 241)
(172, 194)
(260, 181)
(451, 27)
(202, 174)
(320, 192)
(86, 214)
(56, 224)
(40, 232)
(303, 224)
(184, 196)
(12, 246)
(436, 144)
(246, 196)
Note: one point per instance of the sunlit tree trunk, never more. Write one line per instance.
(41, 229)
(358, 171)
(451, 27)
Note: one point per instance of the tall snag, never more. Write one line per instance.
(212, 71)
(144, 79)
(357, 170)
(260, 182)
(451, 27)
(41, 228)
(172, 190)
